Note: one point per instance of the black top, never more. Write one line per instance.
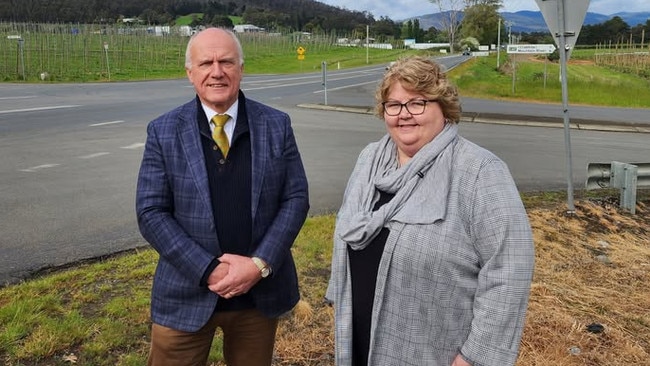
(363, 271)
(230, 190)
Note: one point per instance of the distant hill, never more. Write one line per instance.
(533, 21)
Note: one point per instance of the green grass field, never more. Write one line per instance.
(92, 53)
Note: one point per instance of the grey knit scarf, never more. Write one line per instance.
(380, 171)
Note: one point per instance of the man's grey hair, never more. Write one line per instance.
(188, 56)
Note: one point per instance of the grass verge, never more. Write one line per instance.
(536, 80)
(591, 268)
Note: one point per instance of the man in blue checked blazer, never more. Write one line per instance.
(222, 218)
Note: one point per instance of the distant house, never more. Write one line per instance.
(159, 30)
(131, 20)
(247, 28)
(186, 30)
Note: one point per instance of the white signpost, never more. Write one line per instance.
(21, 52)
(564, 19)
(528, 49)
(531, 48)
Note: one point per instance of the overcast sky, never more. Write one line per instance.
(403, 9)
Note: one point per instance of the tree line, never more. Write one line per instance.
(274, 15)
(464, 22)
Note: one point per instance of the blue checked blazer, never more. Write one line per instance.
(175, 214)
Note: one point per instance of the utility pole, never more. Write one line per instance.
(367, 43)
(499, 44)
(509, 24)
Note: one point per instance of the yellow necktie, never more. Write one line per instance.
(219, 135)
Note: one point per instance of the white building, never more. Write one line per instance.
(247, 28)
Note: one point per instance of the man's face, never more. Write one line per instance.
(215, 69)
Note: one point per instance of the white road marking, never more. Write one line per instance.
(347, 86)
(106, 123)
(23, 97)
(133, 146)
(38, 109)
(38, 167)
(94, 155)
(279, 83)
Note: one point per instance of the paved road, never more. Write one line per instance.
(359, 99)
(70, 154)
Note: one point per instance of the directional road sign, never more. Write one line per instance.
(530, 48)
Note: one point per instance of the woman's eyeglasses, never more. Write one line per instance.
(414, 107)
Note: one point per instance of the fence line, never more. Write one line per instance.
(86, 52)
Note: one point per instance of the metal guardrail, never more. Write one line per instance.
(627, 177)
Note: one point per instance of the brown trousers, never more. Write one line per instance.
(248, 339)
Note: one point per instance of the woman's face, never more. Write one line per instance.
(411, 132)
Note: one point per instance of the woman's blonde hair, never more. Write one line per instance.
(421, 75)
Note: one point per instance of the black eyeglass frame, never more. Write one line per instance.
(404, 105)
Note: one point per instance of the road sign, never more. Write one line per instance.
(570, 13)
(531, 48)
(564, 19)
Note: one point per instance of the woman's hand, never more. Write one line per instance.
(459, 361)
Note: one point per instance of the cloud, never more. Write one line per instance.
(609, 7)
(395, 10)
(404, 9)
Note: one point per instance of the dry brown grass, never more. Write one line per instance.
(592, 267)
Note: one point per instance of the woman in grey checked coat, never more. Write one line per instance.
(433, 253)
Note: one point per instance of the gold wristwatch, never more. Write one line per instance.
(264, 268)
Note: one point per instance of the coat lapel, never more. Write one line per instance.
(259, 145)
(190, 140)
